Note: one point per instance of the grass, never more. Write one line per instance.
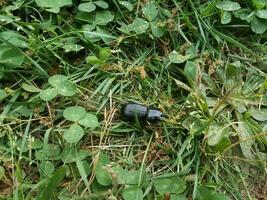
(63, 137)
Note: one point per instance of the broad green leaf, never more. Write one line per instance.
(30, 88)
(2, 172)
(14, 38)
(259, 4)
(36, 143)
(74, 134)
(177, 58)
(157, 30)
(53, 182)
(56, 80)
(102, 175)
(104, 53)
(101, 4)
(127, 5)
(66, 88)
(139, 25)
(68, 155)
(74, 113)
(46, 168)
(243, 14)
(63, 85)
(39, 155)
(105, 35)
(226, 17)
(191, 52)
(53, 10)
(121, 174)
(203, 193)
(10, 56)
(228, 5)
(219, 196)
(48, 94)
(88, 28)
(150, 11)
(178, 197)
(22, 110)
(216, 133)
(89, 121)
(258, 26)
(133, 177)
(85, 17)
(132, 193)
(87, 7)
(193, 124)
(259, 115)
(222, 145)
(90, 33)
(92, 60)
(169, 185)
(98, 188)
(125, 28)
(262, 14)
(53, 150)
(53, 5)
(166, 12)
(103, 17)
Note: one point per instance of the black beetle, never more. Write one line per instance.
(143, 113)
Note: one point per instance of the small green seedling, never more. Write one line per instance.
(103, 55)
(79, 116)
(140, 25)
(60, 85)
(257, 18)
